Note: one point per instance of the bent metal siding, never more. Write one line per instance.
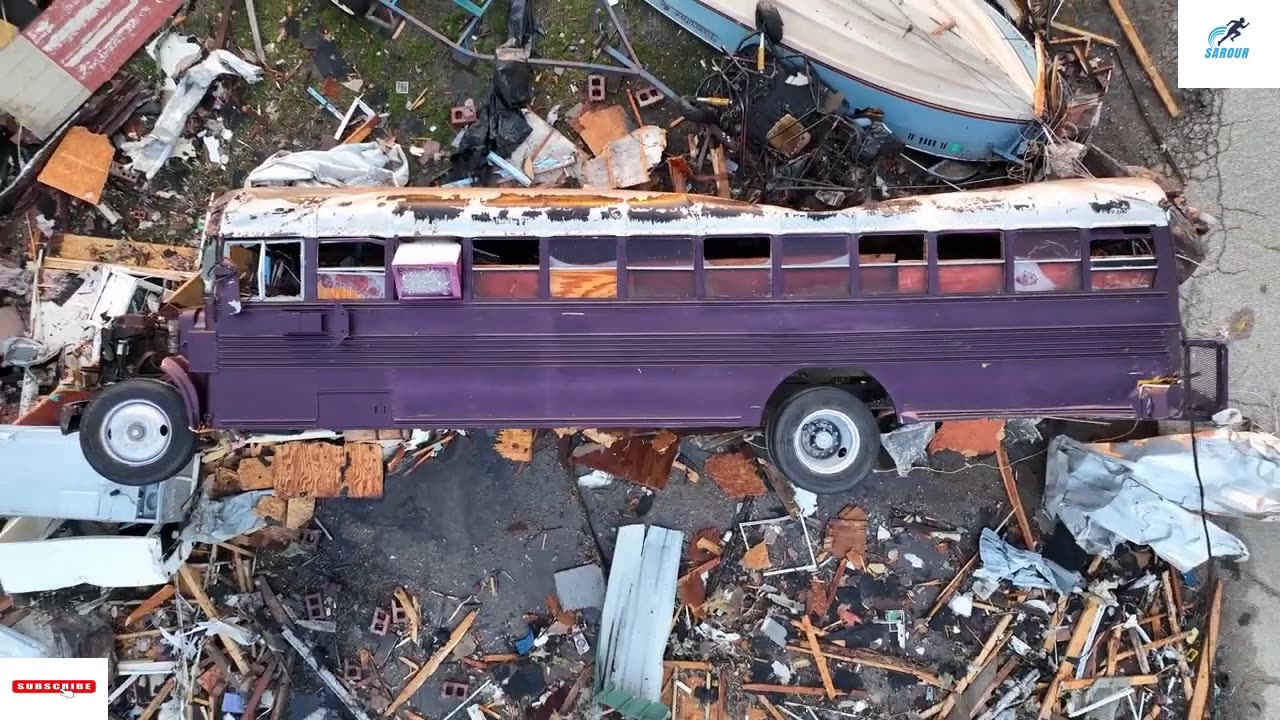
(444, 212)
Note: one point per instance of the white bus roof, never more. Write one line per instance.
(501, 212)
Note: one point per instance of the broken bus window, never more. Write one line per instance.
(505, 268)
(892, 264)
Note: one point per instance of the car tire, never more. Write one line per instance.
(354, 8)
(824, 440)
(135, 432)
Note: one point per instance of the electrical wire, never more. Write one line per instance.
(1204, 518)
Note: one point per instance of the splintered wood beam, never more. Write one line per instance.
(205, 604)
(1079, 638)
(1081, 32)
(1204, 674)
(818, 658)
(990, 649)
(1011, 489)
(157, 599)
(429, 668)
(1157, 81)
(873, 659)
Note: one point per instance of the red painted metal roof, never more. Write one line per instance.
(92, 39)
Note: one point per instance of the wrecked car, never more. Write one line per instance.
(497, 308)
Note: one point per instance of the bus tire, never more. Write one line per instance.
(135, 432)
(824, 440)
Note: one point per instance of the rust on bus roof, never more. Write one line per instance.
(521, 212)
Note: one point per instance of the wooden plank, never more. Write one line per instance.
(1011, 489)
(770, 708)
(429, 668)
(1120, 682)
(1204, 673)
(571, 283)
(363, 472)
(1051, 630)
(308, 469)
(985, 694)
(990, 649)
(1080, 636)
(158, 598)
(1081, 32)
(874, 659)
(253, 473)
(1157, 81)
(720, 168)
(818, 658)
(202, 600)
(79, 266)
(80, 165)
(272, 507)
(69, 246)
(943, 597)
(758, 688)
(161, 695)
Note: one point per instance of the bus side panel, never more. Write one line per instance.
(612, 396)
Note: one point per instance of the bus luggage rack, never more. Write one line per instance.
(1205, 376)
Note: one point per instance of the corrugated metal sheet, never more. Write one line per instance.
(68, 52)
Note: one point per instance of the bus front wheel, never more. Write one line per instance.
(824, 440)
(135, 432)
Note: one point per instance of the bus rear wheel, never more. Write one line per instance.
(135, 433)
(824, 440)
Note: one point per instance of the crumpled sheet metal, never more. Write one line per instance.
(215, 521)
(1024, 568)
(356, 165)
(150, 153)
(907, 445)
(1146, 492)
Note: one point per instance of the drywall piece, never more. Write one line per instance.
(580, 587)
(105, 561)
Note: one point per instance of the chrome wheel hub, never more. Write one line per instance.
(826, 442)
(136, 432)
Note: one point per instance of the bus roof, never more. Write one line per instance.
(501, 212)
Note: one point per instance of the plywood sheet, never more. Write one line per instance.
(567, 283)
(80, 165)
(299, 512)
(363, 473)
(735, 474)
(308, 469)
(325, 470)
(68, 246)
(515, 445)
(600, 127)
(255, 473)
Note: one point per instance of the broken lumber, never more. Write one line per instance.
(870, 658)
(1204, 673)
(1118, 682)
(818, 658)
(431, 665)
(161, 695)
(1011, 489)
(952, 586)
(1081, 32)
(720, 166)
(990, 649)
(770, 708)
(784, 689)
(1157, 81)
(205, 604)
(157, 599)
(1079, 638)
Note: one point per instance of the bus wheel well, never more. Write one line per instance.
(856, 380)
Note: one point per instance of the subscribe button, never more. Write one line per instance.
(56, 687)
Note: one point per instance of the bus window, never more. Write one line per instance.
(892, 264)
(815, 267)
(970, 263)
(505, 269)
(736, 267)
(1046, 260)
(277, 269)
(584, 267)
(660, 268)
(1124, 261)
(351, 270)
(428, 268)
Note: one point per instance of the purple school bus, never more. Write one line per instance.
(495, 308)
